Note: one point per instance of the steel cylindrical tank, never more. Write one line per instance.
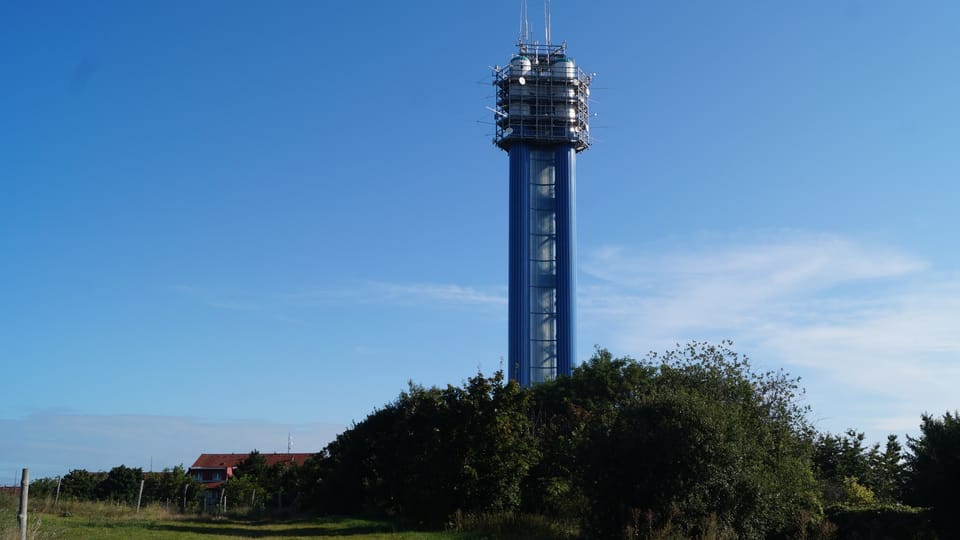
(564, 68)
(520, 66)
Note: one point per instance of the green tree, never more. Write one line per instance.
(692, 438)
(842, 455)
(283, 481)
(430, 453)
(43, 488)
(837, 458)
(345, 477)
(857, 494)
(934, 466)
(260, 485)
(168, 487)
(254, 466)
(564, 412)
(244, 491)
(703, 442)
(889, 471)
(121, 484)
(81, 485)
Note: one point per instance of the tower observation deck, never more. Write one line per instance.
(542, 121)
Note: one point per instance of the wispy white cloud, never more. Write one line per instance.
(439, 292)
(736, 284)
(297, 306)
(872, 320)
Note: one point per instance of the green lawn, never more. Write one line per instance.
(94, 528)
(105, 520)
(90, 527)
(111, 525)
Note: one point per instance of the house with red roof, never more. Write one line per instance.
(212, 470)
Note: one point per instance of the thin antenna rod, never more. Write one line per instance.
(524, 36)
(546, 19)
(526, 22)
(520, 33)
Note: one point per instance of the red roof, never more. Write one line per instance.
(221, 461)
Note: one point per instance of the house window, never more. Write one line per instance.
(216, 476)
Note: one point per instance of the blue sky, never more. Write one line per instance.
(221, 222)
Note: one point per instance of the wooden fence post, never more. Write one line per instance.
(139, 496)
(24, 498)
(57, 500)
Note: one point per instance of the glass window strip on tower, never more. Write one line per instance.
(543, 266)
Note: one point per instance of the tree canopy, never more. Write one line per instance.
(690, 436)
(935, 467)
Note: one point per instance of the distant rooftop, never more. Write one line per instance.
(232, 460)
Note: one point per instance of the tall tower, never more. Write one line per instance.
(542, 121)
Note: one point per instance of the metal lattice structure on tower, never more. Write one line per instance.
(542, 98)
(542, 121)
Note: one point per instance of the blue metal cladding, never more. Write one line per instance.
(542, 313)
(519, 298)
(566, 158)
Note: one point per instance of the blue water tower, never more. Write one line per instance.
(542, 122)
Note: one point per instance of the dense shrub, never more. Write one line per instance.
(171, 487)
(852, 473)
(430, 453)
(704, 444)
(692, 438)
(882, 521)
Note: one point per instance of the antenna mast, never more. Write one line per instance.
(526, 21)
(524, 35)
(546, 20)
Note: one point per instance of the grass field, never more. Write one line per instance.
(108, 521)
(46, 526)
(53, 527)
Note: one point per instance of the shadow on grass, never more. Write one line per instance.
(305, 528)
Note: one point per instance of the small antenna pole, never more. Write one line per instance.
(524, 35)
(546, 20)
(520, 33)
(526, 22)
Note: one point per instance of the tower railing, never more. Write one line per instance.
(542, 97)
